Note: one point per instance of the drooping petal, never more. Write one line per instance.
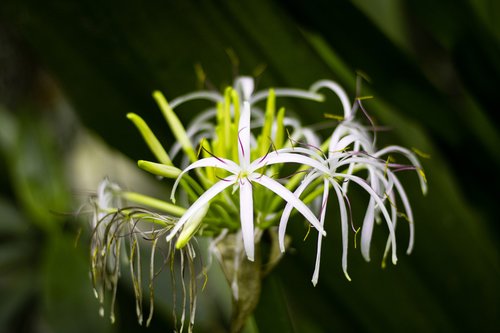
(290, 198)
(408, 210)
(201, 202)
(288, 208)
(380, 204)
(246, 217)
(394, 213)
(324, 202)
(413, 159)
(344, 226)
(367, 229)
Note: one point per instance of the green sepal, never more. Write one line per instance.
(154, 203)
(150, 139)
(280, 129)
(265, 137)
(158, 169)
(175, 125)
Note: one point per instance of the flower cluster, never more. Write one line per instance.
(245, 170)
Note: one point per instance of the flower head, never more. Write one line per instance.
(238, 163)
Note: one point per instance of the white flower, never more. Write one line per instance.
(243, 174)
(339, 167)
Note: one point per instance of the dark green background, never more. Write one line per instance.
(434, 69)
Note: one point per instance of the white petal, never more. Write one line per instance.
(340, 93)
(276, 158)
(324, 201)
(394, 215)
(213, 162)
(246, 84)
(369, 219)
(202, 201)
(290, 198)
(381, 205)
(344, 226)
(288, 209)
(409, 213)
(287, 92)
(413, 159)
(367, 229)
(244, 136)
(246, 217)
(208, 95)
(312, 152)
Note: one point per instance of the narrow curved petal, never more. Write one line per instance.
(408, 210)
(208, 95)
(324, 202)
(277, 158)
(367, 229)
(201, 202)
(290, 198)
(394, 212)
(287, 92)
(413, 159)
(337, 89)
(213, 162)
(288, 209)
(381, 205)
(344, 225)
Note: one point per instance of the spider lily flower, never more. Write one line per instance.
(242, 176)
(342, 162)
(235, 166)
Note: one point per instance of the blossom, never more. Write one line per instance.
(339, 166)
(242, 176)
(236, 163)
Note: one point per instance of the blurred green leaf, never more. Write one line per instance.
(67, 289)
(17, 248)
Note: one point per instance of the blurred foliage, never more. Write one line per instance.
(432, 67)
